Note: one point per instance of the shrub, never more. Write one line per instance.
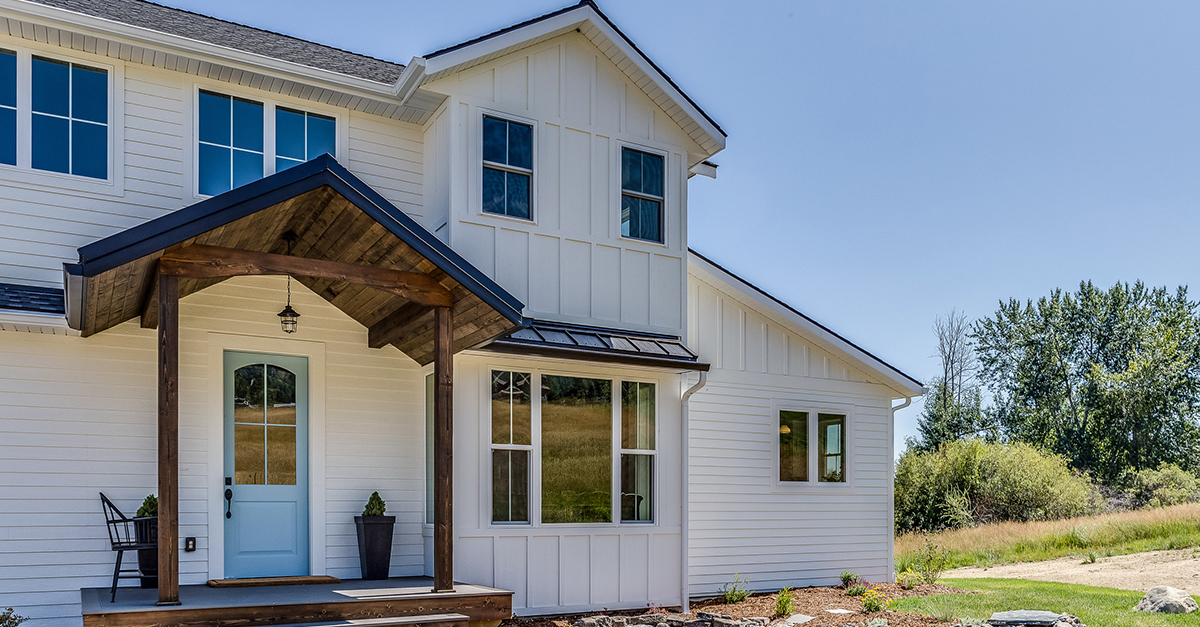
(848, 578)
(375, 506)
(783, 603)
(10, 619)
(875, 601)
(1169, 485)
(856, 590)
(931, 561)
(965, 483)
(909, 579)
(736, 592)
(149, 507)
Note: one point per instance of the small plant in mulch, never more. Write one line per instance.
(849, 578)
(736, 591)
(856, 589)
(8, 618)
(931, 561)
(875, 601)
(909, 579)
(783, 602)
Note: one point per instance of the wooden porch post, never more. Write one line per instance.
(168, 440)
(443, 451)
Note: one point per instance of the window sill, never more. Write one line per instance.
(648, 242)
(502, 216)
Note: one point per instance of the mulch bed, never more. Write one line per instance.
(809, 601)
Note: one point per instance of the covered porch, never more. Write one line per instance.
(329, 231)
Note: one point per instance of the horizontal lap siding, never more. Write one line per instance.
(740, 521)
(77, 416)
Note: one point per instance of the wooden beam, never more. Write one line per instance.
(150, 304)
(168, 440)
(443, 452)
(395, 325)
(199, 261)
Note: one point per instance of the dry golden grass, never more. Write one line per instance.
(1109, 534)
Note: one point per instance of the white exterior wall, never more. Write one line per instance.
(569, 263)
(742, 520)
(563, 568)
(46, 216)
(78, 416)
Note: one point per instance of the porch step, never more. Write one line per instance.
(426, 620)
(258, 582)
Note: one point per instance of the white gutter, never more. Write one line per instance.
(683, 535)
(892, 486)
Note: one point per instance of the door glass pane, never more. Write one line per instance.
(793, 446)
(576, 450)
(249, 456)
(637, 415)
(637, 480)
(248, 394)
(831, 448)
(281, 396)
(281, 455)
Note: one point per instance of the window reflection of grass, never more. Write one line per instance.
(576, 450)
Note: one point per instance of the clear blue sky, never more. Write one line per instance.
(890, 161)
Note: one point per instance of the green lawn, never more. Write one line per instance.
(1096, 607)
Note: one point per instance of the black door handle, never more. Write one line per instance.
(228, 501)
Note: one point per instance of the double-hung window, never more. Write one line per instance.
(637, 451)
(300, 136)
(511, 445)
(69, 125)
(796, 430)
(641, 195)
(507, 167)
(8, 107)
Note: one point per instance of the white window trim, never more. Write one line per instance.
(663, 215)
(535, 461)
(813, 408)
(481, 163)
(23, 171)
(269, 101)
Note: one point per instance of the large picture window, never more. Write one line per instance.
(797, 430)
(577, 450)
(507, 167)
(511, 445)
(641, 195)
(69, 126)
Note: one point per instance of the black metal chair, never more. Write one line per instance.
(127, 534)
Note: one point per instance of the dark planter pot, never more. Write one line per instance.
(147, 532)
(375, 545)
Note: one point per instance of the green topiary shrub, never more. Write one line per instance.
(375, 506)
(965, 483)
(10, 619)
(149, 507)
(1168, 485)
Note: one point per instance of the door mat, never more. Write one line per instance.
(253, 582)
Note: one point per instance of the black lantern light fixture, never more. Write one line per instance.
(288, 318)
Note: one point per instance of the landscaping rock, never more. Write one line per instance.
(1167, 600)
(709, 616)
(1030, 618)
(675, 620)
(798, 619)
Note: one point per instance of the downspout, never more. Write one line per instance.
(683, 534)
(892, 486)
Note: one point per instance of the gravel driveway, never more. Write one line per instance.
(1139, 571)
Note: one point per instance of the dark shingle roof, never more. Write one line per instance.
(28, 298)
(211, 30)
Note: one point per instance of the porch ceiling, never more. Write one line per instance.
(335, 217)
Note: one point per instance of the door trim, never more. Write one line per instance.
(218, 343)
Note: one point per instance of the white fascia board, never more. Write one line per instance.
(50, 324)
(221, 55)
(704, 270)
(564, 23)
(703, 169)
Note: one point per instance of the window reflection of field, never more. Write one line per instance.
(576, 451)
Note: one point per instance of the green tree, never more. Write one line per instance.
(1108, 379)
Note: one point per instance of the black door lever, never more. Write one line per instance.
(228, 501)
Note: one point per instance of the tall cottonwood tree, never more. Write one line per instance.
(1108, 378)
(954, 407)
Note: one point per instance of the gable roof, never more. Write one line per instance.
(172, 21)
(893, 376)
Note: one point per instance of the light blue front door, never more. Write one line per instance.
(266, 465)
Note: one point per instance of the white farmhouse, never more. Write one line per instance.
(501, 329)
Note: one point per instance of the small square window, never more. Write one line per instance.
(507, 167)
(641, 195)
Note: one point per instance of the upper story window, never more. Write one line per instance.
(507, 167)
(641, 195)
(8, 107)
(232, 147)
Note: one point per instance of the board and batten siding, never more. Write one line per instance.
(46, 217)
(562, 568)
(569, 262)
(741, 520)
(78, 416)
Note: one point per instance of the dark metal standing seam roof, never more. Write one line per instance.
(553, 339)
(30, 299)
(220, 32)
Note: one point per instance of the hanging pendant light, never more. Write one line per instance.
(288, 318)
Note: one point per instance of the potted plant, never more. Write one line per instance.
(145, 523)
(375, 539)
